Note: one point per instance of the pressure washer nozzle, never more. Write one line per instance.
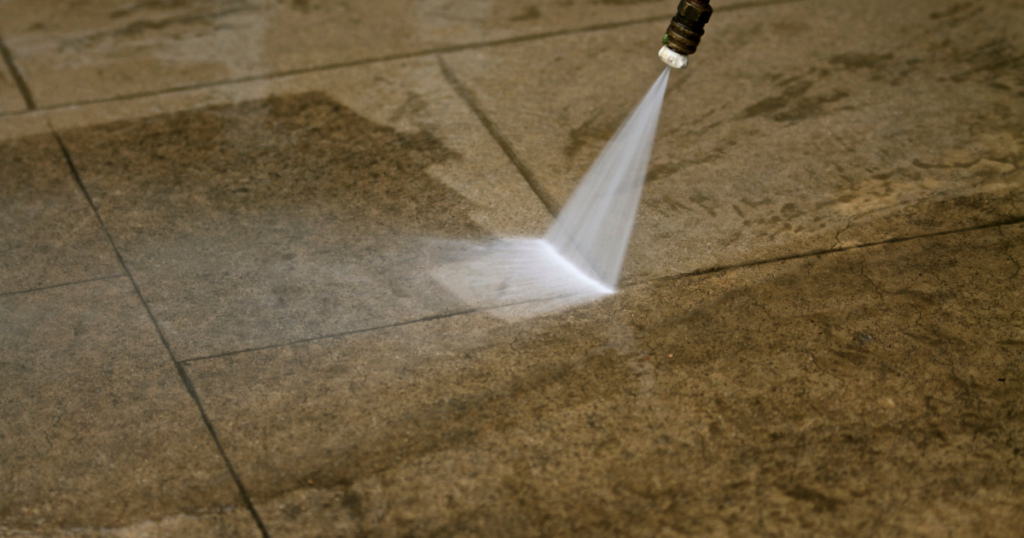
(673, 58)
(687, 27)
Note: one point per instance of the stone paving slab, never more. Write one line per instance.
(48, 233)
(798, 127)
(875, 391)
(10, 97)
(302, 214)
(97, 432)
(115, 48)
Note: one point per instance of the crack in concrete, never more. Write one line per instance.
(863, 273)
(849, 222)
(1006, 251)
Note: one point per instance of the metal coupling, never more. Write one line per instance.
(687, 27)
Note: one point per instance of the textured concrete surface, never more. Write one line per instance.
(48, 233)
(218, 315)
(874, 392)
(273, 221)
(112, 47)
(799, 127)
(95, 428)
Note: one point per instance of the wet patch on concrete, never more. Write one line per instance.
(794, 103)
(272, 221)
(870, 389)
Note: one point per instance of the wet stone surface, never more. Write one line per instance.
(97, 432)
(116, 48)
(48, 233)
(281, 235)
(798, 127)
(272, 221)
(873, 392)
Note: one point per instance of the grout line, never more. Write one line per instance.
(467, 95)
(337, 335)
(187, 381)
(389, 57)
(182, 374)
(700, 272)
(61, 285)
(26, 94)
(371, 329)
(711, 270)
(894, 240)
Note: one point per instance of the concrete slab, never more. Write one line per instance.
(297, 216)
(113, 48)
(874, 391)
(798, 127)
(868, 390)
(48, 233)
(97, 432)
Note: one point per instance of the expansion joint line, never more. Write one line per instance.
(824, 252)
(19, 80)
(60, 285)
(179, 367)
(467, 95)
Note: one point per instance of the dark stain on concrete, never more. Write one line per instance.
(595, 130)
(957, 14)
(206, 205)
(809, 107)
(528, 14)
(144, 5)
(192, 17)
(705, 203)
(795, 103)
(754, 204)
(822, 503)
(859, 61)
(990, 61)
(668, 205)
(952, 11)
(301, 5)
(279, 153)
(414, 105)
(791, 211)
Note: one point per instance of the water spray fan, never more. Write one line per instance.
(593, 230)
(582, 255)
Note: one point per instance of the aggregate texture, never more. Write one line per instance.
(218, 226)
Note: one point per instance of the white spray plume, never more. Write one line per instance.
(581, 256)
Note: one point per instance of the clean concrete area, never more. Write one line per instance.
(220, 224)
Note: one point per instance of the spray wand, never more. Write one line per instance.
(684, 32)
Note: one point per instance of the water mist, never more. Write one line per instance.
(581, 256)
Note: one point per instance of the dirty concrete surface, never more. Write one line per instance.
(218, 222)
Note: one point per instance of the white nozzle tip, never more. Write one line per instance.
(673, 58)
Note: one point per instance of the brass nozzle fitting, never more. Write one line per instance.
(687, 27)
